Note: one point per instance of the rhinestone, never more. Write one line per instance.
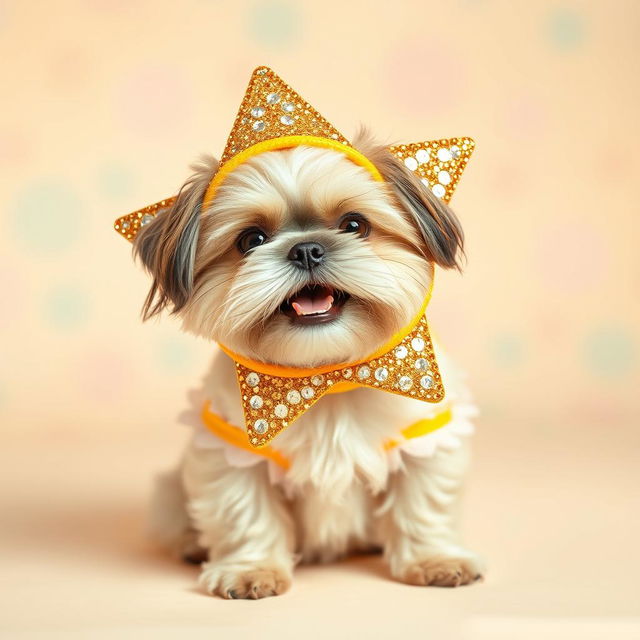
(417, 344)
(381, 374)
(405, 383)
(334, 136)
(455, 151)
(281, 410)
(444, 155)
(422, 156)
(347, 373)
(364, 372)
(273, 98)
(288, 120)
(257, 112)
(308, 392)
(426, 382)
(146, 219)
(260, 425)
(261, 72)
(125, 225)
(401, 352)
(293, 397)
(411, 163)
(421, 364)
(255, 402)
(289, 107)
(258, 125)
(444, 177)
(253, 379)
(317, 380)
(438, 190)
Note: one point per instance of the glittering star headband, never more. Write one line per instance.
(273, 116)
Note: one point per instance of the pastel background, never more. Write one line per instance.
(106, 102)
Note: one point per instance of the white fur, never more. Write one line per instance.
(343, 493)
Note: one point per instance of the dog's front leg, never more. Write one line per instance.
(419, 522)
(243, 523)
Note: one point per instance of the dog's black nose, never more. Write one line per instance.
(307, 255)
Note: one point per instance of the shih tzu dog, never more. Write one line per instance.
(302, 260)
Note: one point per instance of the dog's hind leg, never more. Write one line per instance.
(169, 522)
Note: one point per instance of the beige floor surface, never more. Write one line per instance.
(556, 517)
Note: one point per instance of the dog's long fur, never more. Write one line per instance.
(342, 492)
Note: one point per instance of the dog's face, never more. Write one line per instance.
(302, 258)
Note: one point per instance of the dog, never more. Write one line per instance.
(303, 260)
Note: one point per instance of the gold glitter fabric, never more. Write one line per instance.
(272, 111)
(129, 225)
(272, 402)
(438, 163)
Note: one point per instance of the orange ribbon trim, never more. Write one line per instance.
(238, 437)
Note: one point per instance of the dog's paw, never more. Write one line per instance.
(443, 571)
(244, 583)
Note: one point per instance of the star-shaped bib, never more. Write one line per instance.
(271, 401)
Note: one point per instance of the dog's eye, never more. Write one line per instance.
(250, 239)
(355, 223)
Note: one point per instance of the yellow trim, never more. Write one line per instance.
(294, 372)
(286, 142)
(238, 437)
(422, 428)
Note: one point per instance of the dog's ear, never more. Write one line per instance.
(438, 225)
(167, 245)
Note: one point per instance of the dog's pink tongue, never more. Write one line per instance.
(305, 306)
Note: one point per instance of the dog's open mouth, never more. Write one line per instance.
(314, 304)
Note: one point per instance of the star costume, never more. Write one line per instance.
(272, 116)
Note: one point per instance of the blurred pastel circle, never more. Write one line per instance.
(46, 216)
(418, 88)
(175, 354)
(66, 308)
(104, 374)
(565, 28)
(507, 349)
(155, 100)
(4, 13)
(616, 161)
(15, 149)
(571, 255)
(274, 24)
(70, 69)
(524, 116)
(14, 293)
(115, 180)
(109, 5)
(507, 179)
(610, 351)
